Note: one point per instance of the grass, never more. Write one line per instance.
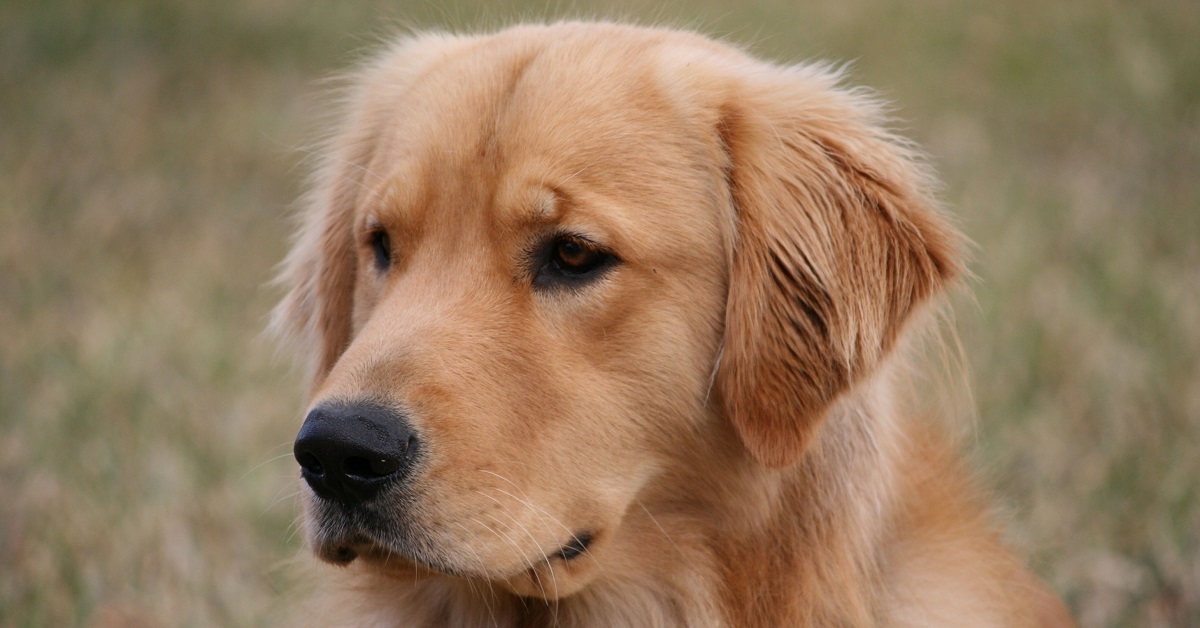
(148, 158)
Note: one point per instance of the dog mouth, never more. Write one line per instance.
(345, 551)
(368, 548)
(341, 535)
(575, 547)
(382, 555)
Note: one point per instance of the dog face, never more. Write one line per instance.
(543, 269)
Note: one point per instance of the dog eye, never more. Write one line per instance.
(381, 245)
(576, 257)
(571, 259)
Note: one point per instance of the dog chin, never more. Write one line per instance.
(339, 541)
(344, 551)
(542, 580)
(341, 536)
(378, 556)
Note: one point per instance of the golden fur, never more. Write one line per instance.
(718, 410)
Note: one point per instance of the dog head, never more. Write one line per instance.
(540, 270)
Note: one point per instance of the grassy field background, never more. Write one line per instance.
(150, 152)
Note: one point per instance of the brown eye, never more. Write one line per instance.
(574, 256)
(568, 260)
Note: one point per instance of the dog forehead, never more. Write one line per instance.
(546, 125)
(542, 89)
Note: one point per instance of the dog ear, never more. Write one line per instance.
(322, 266)
(320, 272)
(837, 242)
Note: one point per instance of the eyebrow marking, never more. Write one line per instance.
(547, 207)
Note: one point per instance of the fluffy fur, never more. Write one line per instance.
(718, 410)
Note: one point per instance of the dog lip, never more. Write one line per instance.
(367, 548)
(342, 552)
(344, 548)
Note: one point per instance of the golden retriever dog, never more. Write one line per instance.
(607, 326)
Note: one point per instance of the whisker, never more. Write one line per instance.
(517, 547)
(263, 463)
(545, 558)
(658, 525)
(288, 495)
(503, 538)
(712, 379)
(483, 570)
(293, 529)
(538, 509)
(543, 515)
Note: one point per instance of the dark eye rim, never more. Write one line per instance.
(550, 272)
(381, 248)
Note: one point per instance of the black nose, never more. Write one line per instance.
(349, 451)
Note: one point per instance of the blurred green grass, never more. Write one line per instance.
(150, 151)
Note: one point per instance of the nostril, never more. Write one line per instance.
(370, 468)
(310, 463)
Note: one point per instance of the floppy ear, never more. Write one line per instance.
(321, 268)
(836, 244)
(320, 272)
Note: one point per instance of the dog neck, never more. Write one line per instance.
(755, 528)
